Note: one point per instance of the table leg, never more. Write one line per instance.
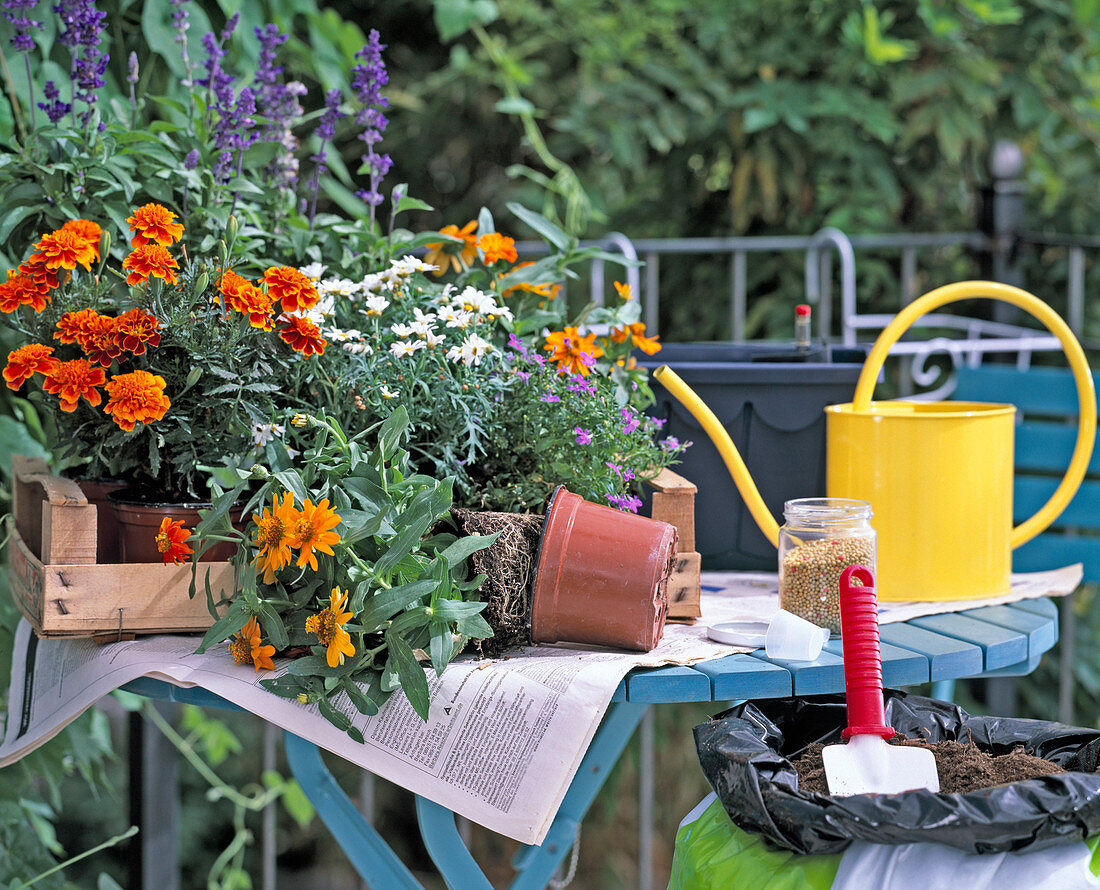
(370, 855)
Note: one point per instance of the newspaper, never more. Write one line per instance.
(504, 737)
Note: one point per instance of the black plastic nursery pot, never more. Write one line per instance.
(771, 399)
(745, 754)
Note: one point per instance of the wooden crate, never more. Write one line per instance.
(674, 502)
(60, 589)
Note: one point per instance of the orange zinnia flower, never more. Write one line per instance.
(328, 624)
(291, 288)
(87, 231)
(137, 397)
(247, 647)
(171, 540)
(497, 247)
(21, 290)
(573, 353)
(636, 333)
(150, 260)
(26, 361)
(71, 381)
(64, 249)
(45, 279)
(241, 295)
(623, 290)
(301, 334)
(313, 531)
(136, 329)
(154, 223)
(273, 535)
(445, 254)
(542, 289)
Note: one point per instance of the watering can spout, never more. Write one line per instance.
(718, 435)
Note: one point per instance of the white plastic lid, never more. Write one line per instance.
(739, 633)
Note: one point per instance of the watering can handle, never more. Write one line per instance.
(1082, 375)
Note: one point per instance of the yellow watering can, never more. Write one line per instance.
(938, 475)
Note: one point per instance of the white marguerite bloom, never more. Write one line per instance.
(455, 318)
(262, 433)
(359, 348)
(388, 393)
(471, 350)
(402, 348)
(314, 271)
(402, 330)
(432, 339)
(375, 305)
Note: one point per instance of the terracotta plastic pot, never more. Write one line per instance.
(106, 525)
(602, 576)
(139, 522)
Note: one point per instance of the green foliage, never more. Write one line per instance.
(402, 582)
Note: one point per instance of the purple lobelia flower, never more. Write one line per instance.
(82, 25)
(325, 132)
(277, 101)
(53, 106)
(181, 25)
(367, 79)
(191, 161)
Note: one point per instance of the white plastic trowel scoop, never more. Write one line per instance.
(867, 764)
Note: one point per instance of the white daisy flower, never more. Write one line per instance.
(262, 433)
(422, 328)
(339, 335)
(402, 348)
(359, 348)
(432, 339)
(455, 318)
(423, 316)
(313, 271)
(409, 264)
(402, 330)
(388, 393)
(339, 287)
(376, 305)
(471, 350)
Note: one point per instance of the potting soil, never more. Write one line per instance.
(962, 766)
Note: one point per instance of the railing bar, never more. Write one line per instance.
(268, 833)
(908, 275)
(1075, 311)
(652, 291)
(739, 287)
(645, 801)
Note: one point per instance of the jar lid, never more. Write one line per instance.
(827, 509)
(739, 633)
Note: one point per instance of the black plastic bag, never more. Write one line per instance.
(744, 752)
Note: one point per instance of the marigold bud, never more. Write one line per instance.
(299, 420)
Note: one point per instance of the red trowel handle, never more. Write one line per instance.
(862, 659)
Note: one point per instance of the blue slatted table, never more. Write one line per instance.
(988, 641)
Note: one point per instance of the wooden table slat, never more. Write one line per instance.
(1040, 631)
(1001, 646)
(663, 684)
(900, 667)
(742, 676)
(948, 657)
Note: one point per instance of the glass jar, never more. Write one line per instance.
(819, 539)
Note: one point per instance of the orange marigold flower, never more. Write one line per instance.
(21, 290)
(241, 295)
(73, 326)
(247, 647)
(313, 531)
(497, 247)
(136, 329)
(64, 249)
(71, 381)
(301, 334)
(45, 279)
(150, 260)
(26, 361)
(171, 540)
(541, 289)
(99, 340)
(623, 290)
(636, 333)
(573, 353)
(445, 254)
(328, 624)
(88, 231)
(273, 529)
(137, 397)
(154, 223)
(291, 288)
